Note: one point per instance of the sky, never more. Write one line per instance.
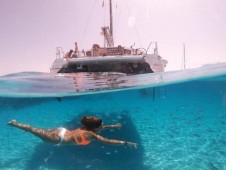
(30, 30)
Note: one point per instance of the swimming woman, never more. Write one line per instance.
(81, 136)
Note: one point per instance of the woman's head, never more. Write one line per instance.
(91, 122)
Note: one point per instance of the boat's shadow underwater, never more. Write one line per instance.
(94, 156)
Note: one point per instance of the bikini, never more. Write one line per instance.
(80, 133)
(61, 134)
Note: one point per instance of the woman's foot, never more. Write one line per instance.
(12, 122)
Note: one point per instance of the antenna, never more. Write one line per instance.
(184, 56)
(183, 64)
(156, 48)
(148, 47)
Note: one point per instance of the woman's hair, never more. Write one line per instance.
(91, 122)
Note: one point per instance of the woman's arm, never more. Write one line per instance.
(116, 126)
(113, 141)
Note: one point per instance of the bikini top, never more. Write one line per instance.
(80, 133)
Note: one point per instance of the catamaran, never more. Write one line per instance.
(109, 58)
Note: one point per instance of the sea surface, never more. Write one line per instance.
(178, 119)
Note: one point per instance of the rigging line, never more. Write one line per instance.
(117, 22)
(102, 14)
(134, 24)
(87, 24)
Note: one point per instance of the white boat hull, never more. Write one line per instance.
(130, 64)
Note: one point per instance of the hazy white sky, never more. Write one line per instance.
(30, 30)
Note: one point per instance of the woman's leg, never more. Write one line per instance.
(50, 136)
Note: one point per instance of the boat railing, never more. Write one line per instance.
(59, 52)
(109, 51)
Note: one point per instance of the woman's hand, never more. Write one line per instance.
(118, 125)
(131, 145)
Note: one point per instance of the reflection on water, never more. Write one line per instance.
(45, 84)
(96, 81)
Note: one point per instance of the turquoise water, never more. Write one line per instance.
(178, 119)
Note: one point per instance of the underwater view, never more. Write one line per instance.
(178, 119)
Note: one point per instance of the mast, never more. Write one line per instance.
(108, 32)
(111, 19)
